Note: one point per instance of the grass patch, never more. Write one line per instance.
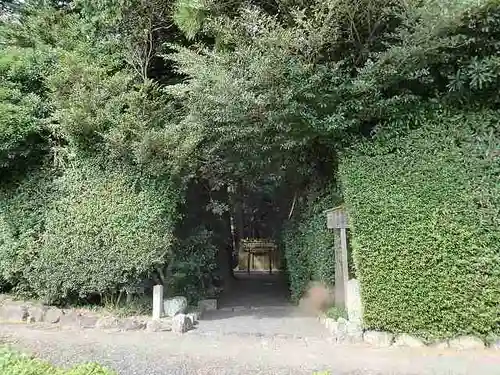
(15, 363)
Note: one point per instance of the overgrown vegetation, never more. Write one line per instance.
(86, 209)
(14, 363)
(309, 246)
(161, 133)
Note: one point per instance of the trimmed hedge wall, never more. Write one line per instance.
(85, 232)
(425, 217)
(309, 246)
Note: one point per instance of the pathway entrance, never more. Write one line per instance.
(256, 289)
(257, 304)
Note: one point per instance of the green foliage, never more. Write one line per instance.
(13, 363)
(336, 312)
(264, 102)
(22, 106)
(23, 206)
(99, 231)
(189, 15)
(309, 246)
(443, 51)
(192, 265)
(265, 85)
(139, 304)
(424, 208)
(93, 105)
(75, 84)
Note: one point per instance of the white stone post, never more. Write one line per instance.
(353, 301)
(157, 301)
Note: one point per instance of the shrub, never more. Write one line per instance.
(336, 312)
(309, 246)
(22, 105)
(23, 206)
(193, 263)
(13, 363)
(97, 231)
(424, 210)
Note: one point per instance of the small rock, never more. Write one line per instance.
(107, 322)
(207, 305)
(243, 308)
(322, 319)
(194, 317)
(466, 343)
(53, 315)
(70, 318)
(328, 323)
(174, 306)
(36, 313)
(408, 341)
(181, 323)
(338, 329)
(496, 344)
(331, 326)
(439, 345)
(132, 324)
(378, 338)
(159, 325)
(13, 312)
(354, 332)
(88, 321)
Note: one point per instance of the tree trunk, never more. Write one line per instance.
(236, 216)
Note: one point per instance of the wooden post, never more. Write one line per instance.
(157, 301)
(337, 219)
(341, 269)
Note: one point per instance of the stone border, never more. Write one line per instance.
(352, 332)
(13, 312)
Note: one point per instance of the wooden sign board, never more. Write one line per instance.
(336, 218)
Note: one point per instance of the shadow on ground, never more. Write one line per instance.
(258, 304)
(255, 291)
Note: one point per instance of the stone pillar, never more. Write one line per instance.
(353, 301)
(157, 301)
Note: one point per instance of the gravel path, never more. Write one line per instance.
(258, 304)
(256, 331)
(284, 321)
(144, 353)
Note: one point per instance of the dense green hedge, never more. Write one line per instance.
(13, 363)
(88, 231)
(425, 214)
(309, 246)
